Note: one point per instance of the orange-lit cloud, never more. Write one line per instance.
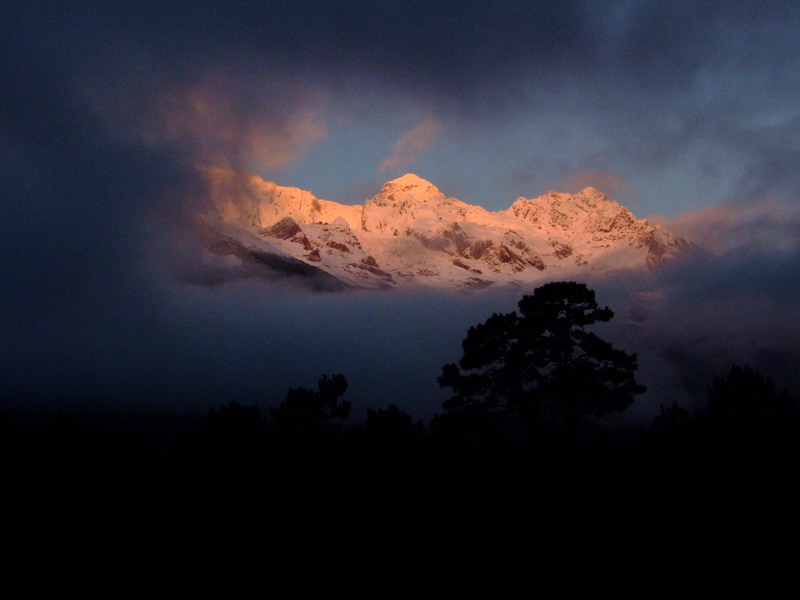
(278, 148)
(214, 125)
(765, 226)
(412, 143)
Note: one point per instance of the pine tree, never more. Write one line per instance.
(542, 362)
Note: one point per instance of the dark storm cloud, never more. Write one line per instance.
(717, 82)
(444, 43)
(72, 197)
(657, 77)
(772, 172)
(444, 48)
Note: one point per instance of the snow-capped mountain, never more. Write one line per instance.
(411, 234)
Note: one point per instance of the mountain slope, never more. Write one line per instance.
(411, 234)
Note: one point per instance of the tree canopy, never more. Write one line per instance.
(305, 411)
(542, 361)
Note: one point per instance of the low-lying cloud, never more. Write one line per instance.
(763, 227)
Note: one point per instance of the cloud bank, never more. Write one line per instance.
(762, 227)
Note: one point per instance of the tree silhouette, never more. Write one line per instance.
(309, 411)
(746, 401)
(672, 418)
(235, 430)
(745, 390)
(234, 417)
(392, 426)
(542, 362)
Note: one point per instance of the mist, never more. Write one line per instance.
(165, 345)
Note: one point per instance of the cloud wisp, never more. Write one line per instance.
(406, 150)
(220, 134)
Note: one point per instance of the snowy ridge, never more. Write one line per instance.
(411, 234)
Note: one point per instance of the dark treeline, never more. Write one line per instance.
(238, 501)
(493, 498)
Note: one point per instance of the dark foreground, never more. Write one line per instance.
(128, 507)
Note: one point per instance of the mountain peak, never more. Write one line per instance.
(594, 197)
(590, 191)
(403, 201)
(408, 190)
(587, 195)
(410, 179)
(410, 233)
(411, 188)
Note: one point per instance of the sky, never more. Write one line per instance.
(687, 113)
